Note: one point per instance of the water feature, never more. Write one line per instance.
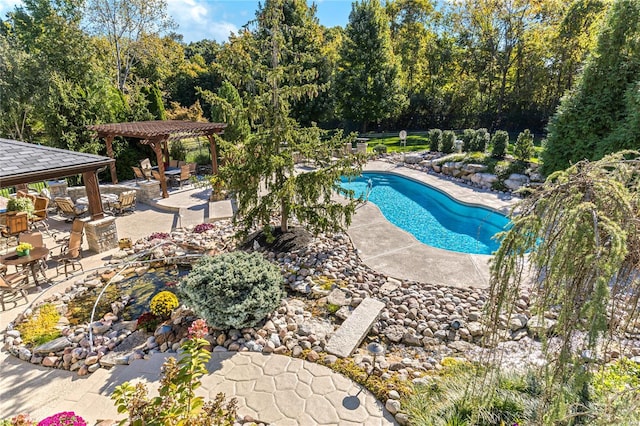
(139, 290)
(430, 215)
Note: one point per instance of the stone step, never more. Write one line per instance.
(350, 334)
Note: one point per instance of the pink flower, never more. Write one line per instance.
(66, 418)
(198, 329)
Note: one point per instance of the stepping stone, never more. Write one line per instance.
(352, 331)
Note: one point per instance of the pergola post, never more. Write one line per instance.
(112, 166)
(157, 148)
(93, 194)
(214, 154)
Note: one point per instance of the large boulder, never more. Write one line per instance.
(474, 168)
(516, 181)
(412, 158)
(484, 179)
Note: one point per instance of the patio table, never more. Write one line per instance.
(30, 261)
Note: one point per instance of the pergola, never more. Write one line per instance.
(157, 134)
(23, 163)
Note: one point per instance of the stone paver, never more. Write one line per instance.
(354, 328)
(281, 398)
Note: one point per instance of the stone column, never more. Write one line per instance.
(57, 188)
(148, 191)
(102, 234)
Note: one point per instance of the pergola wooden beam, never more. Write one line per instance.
(157, 134)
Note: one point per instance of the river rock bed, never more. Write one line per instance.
(420, 324)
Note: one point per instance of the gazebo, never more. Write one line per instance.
(23, 163)
(157, 134)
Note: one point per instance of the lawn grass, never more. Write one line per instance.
(415, 142)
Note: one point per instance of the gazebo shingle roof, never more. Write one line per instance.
(23, 162)
(167, 129)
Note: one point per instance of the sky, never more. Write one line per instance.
(215, 20)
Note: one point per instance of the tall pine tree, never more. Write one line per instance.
(262, 172)
(368, 80)
(592, 118)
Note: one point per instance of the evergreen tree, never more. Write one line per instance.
(500, 143)
(227, 107)
(590, 120)
(523, 149)
(368, 81)
(262, 170)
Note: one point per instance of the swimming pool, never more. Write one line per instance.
(431, 216)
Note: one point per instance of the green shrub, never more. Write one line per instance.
(41, 327)
(178, 151)
(435, 139)
(233, 290)
(467, 139)
(380, 149)
(448, 141)
(480, 140)
(201, 157)
(524, 149)
(20, 204)
(500, 143)
(617, 392)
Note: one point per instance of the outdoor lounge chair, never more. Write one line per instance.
(40, 215)
(67, 208)
(139, 174)
(15, 224)
(13, 287)
(126, 201)
(70, 254)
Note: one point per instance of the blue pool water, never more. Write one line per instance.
(430, 215)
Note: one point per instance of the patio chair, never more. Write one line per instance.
(76, 227)
(13, 288)
(35, 239)
(193, 168)
(173, 164)
(40, 215)
(126, 201)
(67, 208)
(184, 176)
(70, 254)
(15, 224)
(139, 174)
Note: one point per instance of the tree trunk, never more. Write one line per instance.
(284, 217)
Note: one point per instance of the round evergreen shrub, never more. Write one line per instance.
(448, 141)
(524, 149)
(481, 140)
(380, 149)
(435, 139)
(233, 290)
(499, 142)
(467, 139)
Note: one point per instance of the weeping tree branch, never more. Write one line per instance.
(575, 246)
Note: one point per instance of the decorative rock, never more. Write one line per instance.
(338, 297)
(55, 345)
(313, 356)
(393, 394)
(402, 419)
(394, 333)
(392, 406)
(50, 361)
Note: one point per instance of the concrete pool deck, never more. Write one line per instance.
(394, 252)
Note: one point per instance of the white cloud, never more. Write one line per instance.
(197, 19)
(7, 6)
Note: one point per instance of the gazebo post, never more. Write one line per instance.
(214, 154)
(112, 166)
(157, 148)
(90, 180)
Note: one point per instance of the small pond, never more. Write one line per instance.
(140, 290)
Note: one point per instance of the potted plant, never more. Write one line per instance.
(23, 249)
(20, 204)
(217, 188)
